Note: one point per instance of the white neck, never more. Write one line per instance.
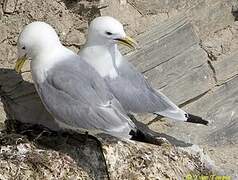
(105, 59)
(45, 60)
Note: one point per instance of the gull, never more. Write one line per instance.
(127, 84)
(70, 89)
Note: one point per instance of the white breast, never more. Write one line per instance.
(45, 61)
(102, 60)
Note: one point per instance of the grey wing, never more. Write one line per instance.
(77, 97)
(139, 96)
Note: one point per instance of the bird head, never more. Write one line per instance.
(107, 31)
(34, 38)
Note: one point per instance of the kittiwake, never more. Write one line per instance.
(127, 84)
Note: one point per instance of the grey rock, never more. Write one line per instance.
(160, 6)
(50, 157)
(21, 101)
(1, 12)
(198, 81)
(75, 38)
(9, 6)
(3, 116)
(222, 111)
(62, 157)
(176, 67)
(149, 161)
(177, 38)
(226, 67)
(188, 72)
(211, 16)
(125, 13)
(3, 32)
(219, 138)
(8, 54)
(208, 16)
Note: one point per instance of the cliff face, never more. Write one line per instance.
(188, 50)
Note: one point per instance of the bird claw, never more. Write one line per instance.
(161, 141)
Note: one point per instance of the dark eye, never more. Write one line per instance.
(24, 47)
(108, 33)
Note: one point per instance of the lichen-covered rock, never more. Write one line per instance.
(145, 161)
(46, 155)
(49, 157)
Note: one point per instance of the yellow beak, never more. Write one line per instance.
(127, 41)
(19, 64)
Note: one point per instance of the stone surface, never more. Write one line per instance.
(219, 106)
(210, 15)
(226, 68)
(9, 6)
(50, 157)
(75, 38)
(149, 161)
(3, 32)
(166, 46)
(131, 17)
(197, 82)
(21, 102)
(188, 72)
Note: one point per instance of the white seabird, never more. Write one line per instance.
(70, 89)
(127, 84)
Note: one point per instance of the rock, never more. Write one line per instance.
(8, 54)
(69, 156)
(160, 6)
(188, 72)
(3, 32)
(125, 13)
(9, 6)
(85, 8)
(211, 16)
(197, 82)
(132, 19)
(3, 115)
(176, 57)
(75, 38)
(1, 12)
(221, 43)
(174, 68)
(141, 161)
(207, 16)
(219, 138)
(226, 68)
(50, 157)
(21, 101)
(162, 47)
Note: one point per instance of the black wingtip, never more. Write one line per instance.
(196, 119)
(138, 135)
